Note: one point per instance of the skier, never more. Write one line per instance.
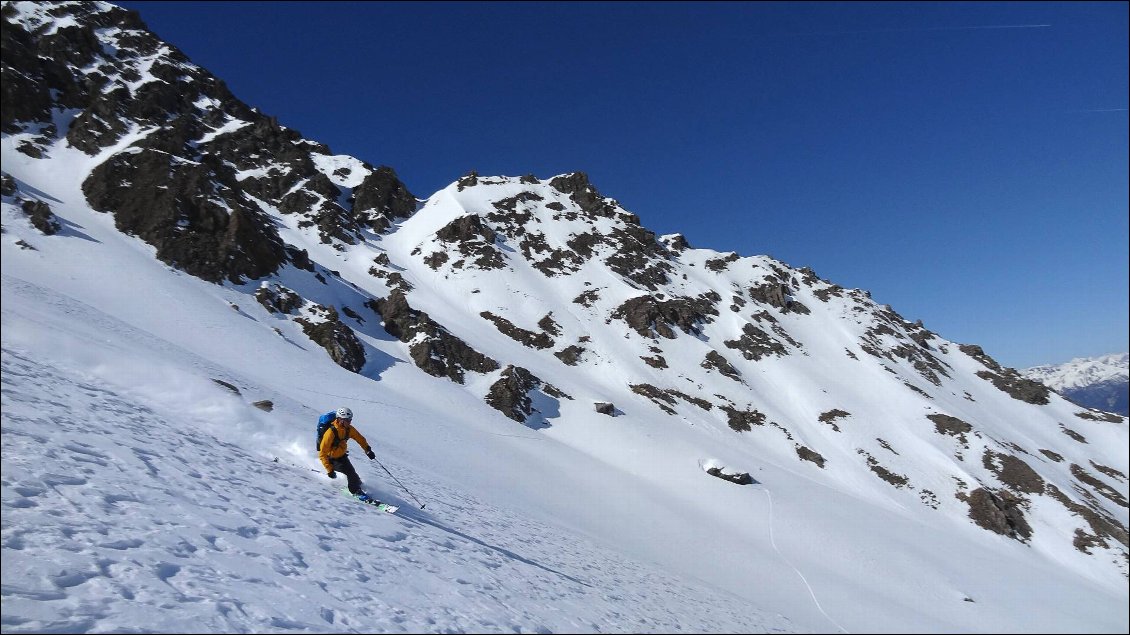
(334, 452)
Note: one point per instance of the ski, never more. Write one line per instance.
(384, 507)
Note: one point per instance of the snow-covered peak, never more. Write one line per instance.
(1082, 371)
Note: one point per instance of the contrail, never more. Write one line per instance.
(927, 28)
(1099, 110)
(1001, 26)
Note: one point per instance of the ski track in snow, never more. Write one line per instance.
(237, 528)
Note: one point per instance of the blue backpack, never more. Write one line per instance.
(325, 421)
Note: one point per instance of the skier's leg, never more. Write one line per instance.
(350, 473)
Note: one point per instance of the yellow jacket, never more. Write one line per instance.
(329, 450)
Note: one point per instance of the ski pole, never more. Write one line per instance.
(400, 484)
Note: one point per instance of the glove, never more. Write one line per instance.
(332, 474)
(369, 453)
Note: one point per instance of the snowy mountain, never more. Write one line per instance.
(551, 388)
(1095, 382)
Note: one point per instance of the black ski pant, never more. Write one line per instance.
(343, 466)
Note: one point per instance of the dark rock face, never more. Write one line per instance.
(510, 395)
(1007, 379)
(582, 192)
(824, 294)
(676, 243)
(585, 243)
(1098, 486)
(1102, 524)
(278, 299)
(605, 408)
(720, 264)
(1096, 415)
(186, 184)
(570, 355)
(636, 253)
(437, 352)
(1055, 456)
(338, 339)
(514, 210)
(657, 395)
(474, 239)
(743, 420)
(999, 512)
(1017, 387)
(755, 344)
(945, 424)
(161, 194)
(898, 480)
(587, 298)
(667, 398)
(830, 417)
(779, 295)
(529, 338)
(41, 216)
(7, 184)
(466, 229)
(1016, 475)
(381, 199)
(548, 325)
(715, 361)
(639, 257)
(912, 345)
(808, 454)
(741, 478)
(647, 314)
(1073, 434)
(515, 217)
(35, 74)
(979, 354)
(470, 179)
(196, 225)
(37, 211)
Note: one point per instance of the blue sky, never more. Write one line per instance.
(965, 162)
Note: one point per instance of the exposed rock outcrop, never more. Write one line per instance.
(649, 315)
(381, 199)
(1000, 512)
(740, 478)
(338, 339)
(1008, 380)
(510, 395)
(715, 361)
(432, 347)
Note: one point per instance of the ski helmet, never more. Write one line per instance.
(344, 414)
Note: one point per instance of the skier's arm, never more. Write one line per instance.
(324, 449)
(359, 438)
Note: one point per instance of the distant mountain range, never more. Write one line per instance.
(1094, 382)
